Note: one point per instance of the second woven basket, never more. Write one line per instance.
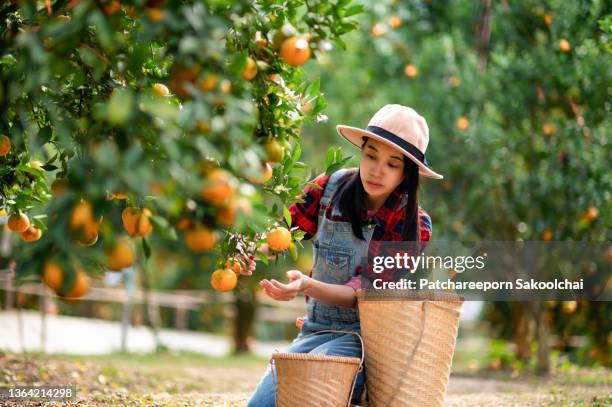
(409, 345)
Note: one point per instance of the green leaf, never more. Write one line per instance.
(329, 157)
(49, 167)
(119, 107)
(287, 215)
(297, 152)
(293, 251)
(351, 11)
(45, 134)
(262, 257)
(313, 90)
(146, 249)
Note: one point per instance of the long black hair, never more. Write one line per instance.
(351, 197)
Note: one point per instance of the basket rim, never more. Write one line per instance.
(316, 358)
(366, 295)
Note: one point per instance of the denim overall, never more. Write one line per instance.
(337, 252)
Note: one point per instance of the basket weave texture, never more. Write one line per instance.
(306, 379)
(409, 345)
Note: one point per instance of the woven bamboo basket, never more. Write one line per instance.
(409, 343)
(304, 379)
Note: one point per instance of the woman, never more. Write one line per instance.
(354, 208)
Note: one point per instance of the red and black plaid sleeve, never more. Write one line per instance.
(425, 227)
(305, 214)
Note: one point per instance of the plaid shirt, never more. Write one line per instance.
(389, 219)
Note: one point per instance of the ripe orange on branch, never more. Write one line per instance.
(200, 239)
(264, 176)
(411, 71)
(31, 234)
(53, 275)
(121, 255)
(274, 150)
(223, 280)
(279, 239)
(5, 145)
(295, 51)
(136, 221)
(250, 69)
(58, 186)
(220, 187)
(18, 222)
(81, 216)
(161, 89)
(462, 123)
(80, 287)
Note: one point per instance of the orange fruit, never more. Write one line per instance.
(395, 21)
(5, 145)
(547, 19)
(547, 234)
(462, 123)
(181, 76)
(53, 275)
(58, 186)
(117, 195)
(225, 86)
(223, 280)
(260, 40)
(226, 215)
(295, 51)
(279, 239)
(264, 176)
(31, 234)
(250, 69)
(121, 255)
(454, 81)
(234, 265)
(307, 107)
(569, 307)
(80, 287)
(161, 89)
(200, 239)
(220, 187)
(36, 164)
(274, 150)
(208, 83)
(112, 8)
(411, 71)
(82, 215)
(89, 237)
(564, 45)
(548, 129)
(136, 222)
(18, 222)
(184, 224)
(378, 30)
(155, 13)
(591, 213)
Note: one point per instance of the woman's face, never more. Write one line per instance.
(381, 168)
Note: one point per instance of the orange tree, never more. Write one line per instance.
(154, 121)
(516, 95)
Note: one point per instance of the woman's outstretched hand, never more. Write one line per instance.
(285, 292)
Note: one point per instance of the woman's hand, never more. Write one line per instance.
(285, 292)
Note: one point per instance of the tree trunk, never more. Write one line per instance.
(543, 338)
(245, 303)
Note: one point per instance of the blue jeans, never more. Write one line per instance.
(332, 344)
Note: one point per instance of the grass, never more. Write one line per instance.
(188, 379)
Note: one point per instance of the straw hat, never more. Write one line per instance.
(400, 127)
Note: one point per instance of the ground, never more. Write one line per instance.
(194, 380)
